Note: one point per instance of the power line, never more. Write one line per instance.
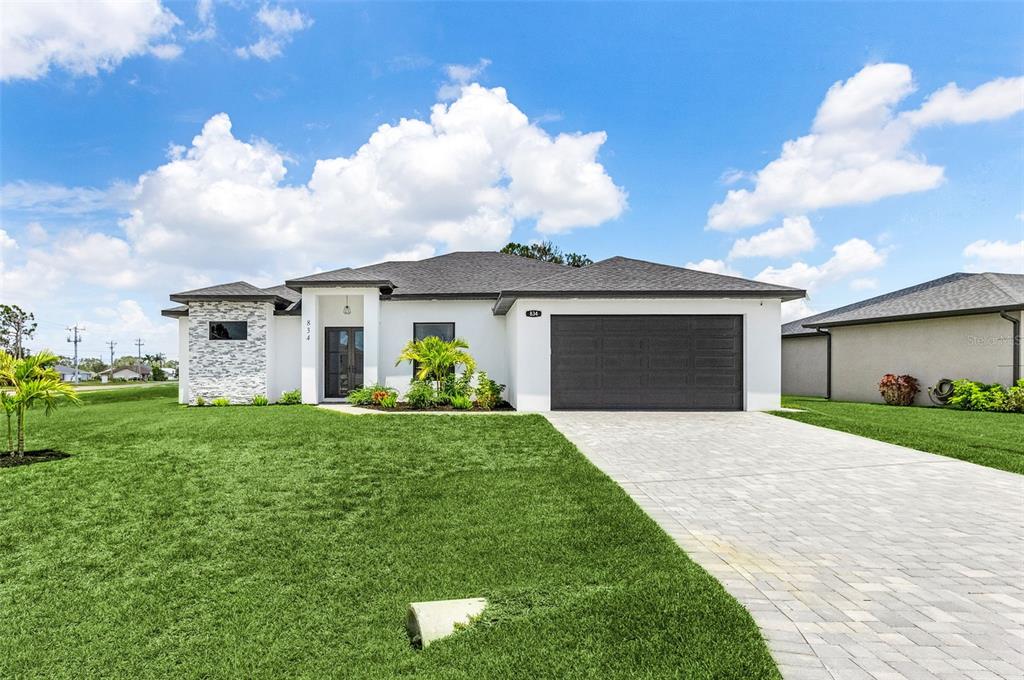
(111, 344)
(139, 343)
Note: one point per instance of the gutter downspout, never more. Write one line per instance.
(828, 361)
(1014, 344)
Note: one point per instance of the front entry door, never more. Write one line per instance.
(343, 357)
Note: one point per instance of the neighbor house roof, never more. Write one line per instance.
(626, 277)
(140, 369)
(502, 277)
(953, 295)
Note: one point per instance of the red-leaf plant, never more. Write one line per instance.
(898, 390)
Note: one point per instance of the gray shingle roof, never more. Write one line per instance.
(492, 275)
(346, 276)
(466, 274)
(174, 312)
(224, 291)
(623, 276)
(959, 293)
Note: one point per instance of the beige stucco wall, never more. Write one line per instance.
(977, 347)
(804, 367)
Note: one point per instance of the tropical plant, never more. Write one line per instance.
(361, 396)
(462, 403)
(200, 401)
(898, 390)
(221, 401)
(291, 397)
(389, 400)
(970, 395)
(158, 374)
(436, 359)
(32, 382)
(453, 386)
(260, 400)
(421, 394)
(488, 392)
(1015, 397)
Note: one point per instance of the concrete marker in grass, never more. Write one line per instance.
(429, 621)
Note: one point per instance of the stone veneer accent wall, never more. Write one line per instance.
(236, 369)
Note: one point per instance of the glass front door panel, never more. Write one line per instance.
(343, 361)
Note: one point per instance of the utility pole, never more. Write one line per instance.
(111, 344)
(75, 338)
(139, 343)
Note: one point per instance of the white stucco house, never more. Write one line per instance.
(964, 325)
(70, 374)
(616, 334)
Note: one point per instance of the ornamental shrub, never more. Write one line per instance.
(389, 400)
(221, 401)
(421, 394)
(971, 395)
(1015, 397)
(290, 398)
(898, 390)
(361, 396)
(488, 392)
(462, 403)
(260, 400)
(200, 401)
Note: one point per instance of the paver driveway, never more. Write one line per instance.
(857, 558)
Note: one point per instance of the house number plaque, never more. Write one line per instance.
(533, 313)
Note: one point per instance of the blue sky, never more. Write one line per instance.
(675, 106)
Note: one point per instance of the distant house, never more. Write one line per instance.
(137, 372)
(68, 373)
(958, 326)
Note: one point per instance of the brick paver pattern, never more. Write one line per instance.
(857, 558)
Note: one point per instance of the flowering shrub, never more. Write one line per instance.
(898, 390)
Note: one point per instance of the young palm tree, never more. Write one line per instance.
(33, 382)
(437, 358)
(6, 398)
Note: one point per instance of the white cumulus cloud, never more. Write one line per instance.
(848, 258)
(80, 37)
(796, 235)
(277, 27)
(460, 75)
(997, 256)
(858, 148)
(713, 266)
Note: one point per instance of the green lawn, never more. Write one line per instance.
(287, 541)
(991, 439)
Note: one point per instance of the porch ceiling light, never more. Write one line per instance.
(347, 309)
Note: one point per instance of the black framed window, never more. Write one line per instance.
(433, 329)
(445, 331)
(229, 330)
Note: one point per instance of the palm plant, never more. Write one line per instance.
(31, 382)
(435, 358)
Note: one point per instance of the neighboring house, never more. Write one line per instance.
(68, 374)
(616, 334)
(959, 326)
(171, 373)
(136, 372)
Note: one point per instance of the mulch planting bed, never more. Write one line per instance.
(402, 406)
(8, 460)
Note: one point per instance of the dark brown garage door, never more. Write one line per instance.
(647, 362)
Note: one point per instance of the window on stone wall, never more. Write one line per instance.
(229, 330)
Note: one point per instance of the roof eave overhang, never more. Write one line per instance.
(915, 317)
(174, 313)
(299, 284)
(440, 296)
(185, 299)
(507, 298)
